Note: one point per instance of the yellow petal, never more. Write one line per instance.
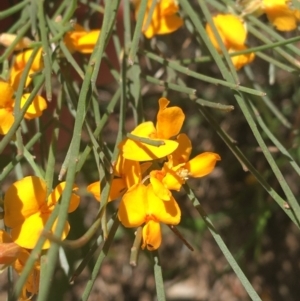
(145, 129)
(6, 120)
(7, 93)
(36, 108)
(27, 234)
(139, 151)
(22, 199)
(169, 120)
(151, 236)
(57, 193)
(132, 209)
(158, 210)
(202, 164)
(183, 151)
(231, 38)
(87, 42)
(160, 190)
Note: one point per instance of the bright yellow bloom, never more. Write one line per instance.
(179, 168)
(7, 107)
(140, 205)
(164, 20)
(14, 255)
(280, 14)
(169, 123)
(20, 62)
(27, 209)
(81, 40)
(234, 40)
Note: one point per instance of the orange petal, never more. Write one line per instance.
(7, 93)
(9, 251)
(280, 14)
(22, 199)
(139, 151)
(169, 120)
(158, 210)
(36, 108)
(132, 209)
(202, 164)
(57, 193)
(183, 151)
(151, 236)
(6, 120)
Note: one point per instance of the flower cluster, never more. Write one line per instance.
(144, 185)
(26, 211)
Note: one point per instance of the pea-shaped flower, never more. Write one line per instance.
(27, 209)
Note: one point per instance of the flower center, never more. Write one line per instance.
(183, 173)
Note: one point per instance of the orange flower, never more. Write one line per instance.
(169, 123)
(234, 40)
(140, 205)
(179, 168)
(27, 209)
(281, 15)
(164, 20)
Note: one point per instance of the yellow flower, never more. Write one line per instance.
(280, 14)
(165, 18)
(179, 168)
(234, 40)
(169, 123)
(140, 205)
(7, 106)
(81, 40)
(27, 209)
(20, 62)
(14, 255)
